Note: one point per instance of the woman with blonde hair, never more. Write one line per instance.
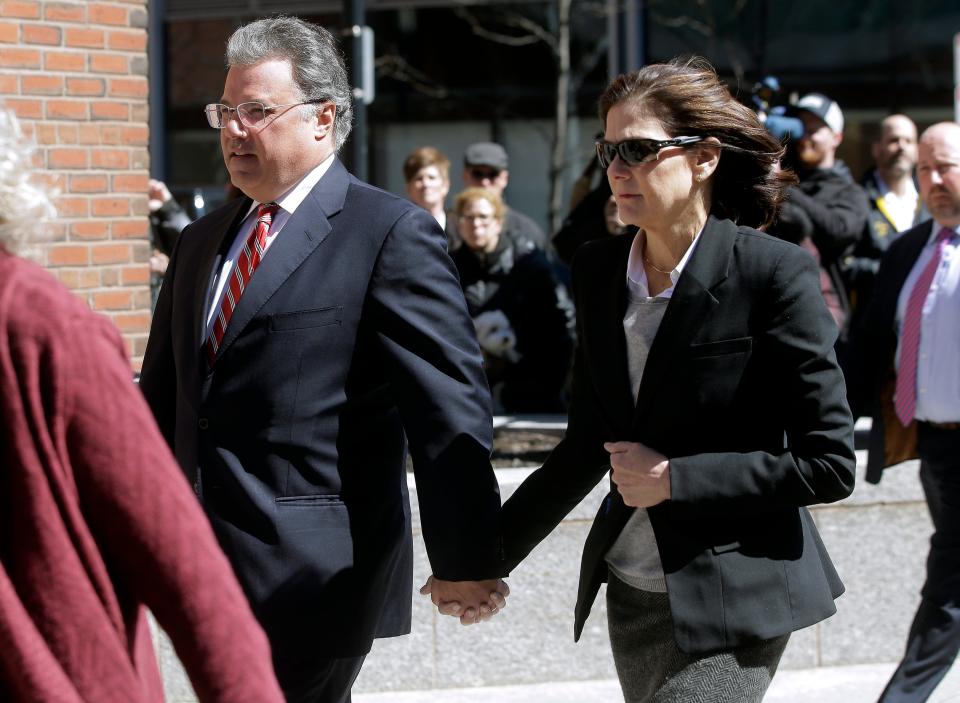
(97, 519)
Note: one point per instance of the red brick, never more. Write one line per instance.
(10, 32)
(89, 184)
(128, 87)
(107, 14)
(132, 321)
(41, 34)
(26, 10)
(67, 133)
(68, 255)
(79, 279)
(85, 86)
(9, 84)
(130, 183)
(20, 58)
(112, 300)
(127, 40)
(110, 134)
(37, 84)
(64, 61)
(109, 110)
(111, 207)
(135, 136)
(62, 12)
(67, 158)
(109, 63)
(82, 37)
(112, 254)
(135, 275)
(109, 158)
(89, 134)
(66, 109)
(130, 229)
(46, 134)
(72, 207)
(89, 229)
(139, 158)
(25, 109)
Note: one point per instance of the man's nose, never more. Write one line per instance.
(234, 126)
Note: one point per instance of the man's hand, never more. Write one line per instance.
(472, 601)
(641, 474)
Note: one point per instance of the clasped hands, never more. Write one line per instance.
(471, 601)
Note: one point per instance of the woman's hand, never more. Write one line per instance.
(642, 475)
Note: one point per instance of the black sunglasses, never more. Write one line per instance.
(637, 151)
(479, 173)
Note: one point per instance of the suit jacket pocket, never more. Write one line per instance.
(320, 317)
(721, 347)
(315, 500)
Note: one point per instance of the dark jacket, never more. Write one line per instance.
(350, 343)
(742, 391)
(518, 279)
(827, 210)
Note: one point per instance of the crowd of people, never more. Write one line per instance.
(738, 303)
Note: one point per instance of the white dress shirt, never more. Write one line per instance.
(938, 359)
(288, 203)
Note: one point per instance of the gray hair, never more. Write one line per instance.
(317, 62)
(24, 203)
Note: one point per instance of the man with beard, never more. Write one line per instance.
(895, 207)
(826, 212)
(908, 376)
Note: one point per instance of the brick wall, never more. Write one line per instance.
(75, 72)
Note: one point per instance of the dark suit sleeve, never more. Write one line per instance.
(571, 471)
(433, 361)
(795, 343)
(158, 377)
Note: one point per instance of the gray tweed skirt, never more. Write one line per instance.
(652, 669)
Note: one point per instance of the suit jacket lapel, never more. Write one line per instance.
(691, 304)
(304, 231)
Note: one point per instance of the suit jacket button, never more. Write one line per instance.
(203, 423)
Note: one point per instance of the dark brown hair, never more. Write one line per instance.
(423, 157)
(688, 98)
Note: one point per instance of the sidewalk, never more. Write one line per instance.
(841, 684)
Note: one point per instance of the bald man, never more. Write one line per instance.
(909, 356)
(895, 206)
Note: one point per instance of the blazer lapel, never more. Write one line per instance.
(304, 231)
(691, 304)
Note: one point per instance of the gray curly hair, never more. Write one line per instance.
(318, 66)
(23, 202)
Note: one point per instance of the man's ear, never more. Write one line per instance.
(837, 138)
(325, 115)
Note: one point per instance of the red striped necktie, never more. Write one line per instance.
(905, 397)
(240, 275)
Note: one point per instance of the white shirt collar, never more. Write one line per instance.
(637, 275)
(291, 200)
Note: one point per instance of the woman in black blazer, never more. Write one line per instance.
(705, 381)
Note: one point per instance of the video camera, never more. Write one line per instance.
(780, 120)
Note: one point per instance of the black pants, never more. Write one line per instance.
(329, 682)
(934, 638)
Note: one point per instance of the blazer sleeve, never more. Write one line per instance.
(150, 528)
(433, 361)
(795, 341)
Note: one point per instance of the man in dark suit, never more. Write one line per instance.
(289, 388)
(909, 379)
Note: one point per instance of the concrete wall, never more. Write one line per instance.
(877, 539)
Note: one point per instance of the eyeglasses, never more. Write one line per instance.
(638, 151)
(479, 174)
(250, 114)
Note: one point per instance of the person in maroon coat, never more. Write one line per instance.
(96, 520)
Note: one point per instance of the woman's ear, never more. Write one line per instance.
(708, 156)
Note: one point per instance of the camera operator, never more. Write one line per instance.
(827, 211)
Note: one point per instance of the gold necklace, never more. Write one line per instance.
(655, 267)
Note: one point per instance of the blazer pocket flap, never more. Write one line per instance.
(722, 347)
(724, 548)
(305, 318)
